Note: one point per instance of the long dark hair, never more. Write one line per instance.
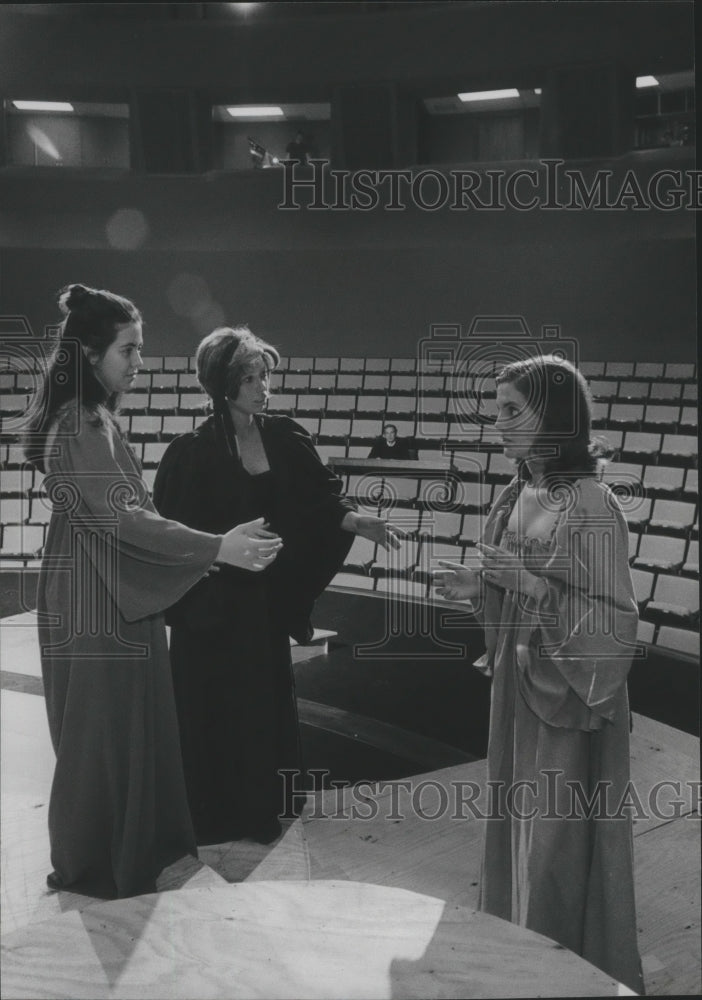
(560, 396)
(92, 319)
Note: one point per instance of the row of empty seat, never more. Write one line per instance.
(451, 357)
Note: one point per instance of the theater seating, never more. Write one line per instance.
(646, 412)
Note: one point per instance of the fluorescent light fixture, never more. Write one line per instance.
(43, 105)
(646, 81)
(488, 95)
(251, 111)
(537, 90)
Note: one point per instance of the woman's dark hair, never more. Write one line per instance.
(92, 319)
(560, 396)
(223, 358)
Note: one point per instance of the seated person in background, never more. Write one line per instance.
(389, 445)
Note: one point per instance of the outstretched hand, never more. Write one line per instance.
(456, 582)
(250, 546)
(378, 530)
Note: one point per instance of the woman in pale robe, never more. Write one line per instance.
(554, 592)
(118, 811)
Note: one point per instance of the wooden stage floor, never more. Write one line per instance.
(437, 858)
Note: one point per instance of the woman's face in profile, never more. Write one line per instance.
(254, 388)
(517, 421)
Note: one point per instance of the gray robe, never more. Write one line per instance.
(118, 812)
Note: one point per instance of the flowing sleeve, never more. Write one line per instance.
(145, 561)
(321, 492)
(315, 545)
(576, 645)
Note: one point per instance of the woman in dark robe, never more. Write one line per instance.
(557, 602)
(118, 811)
(230, 646)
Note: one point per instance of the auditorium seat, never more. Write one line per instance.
(637, 513)
(397, 405)
(601, 389)
(640, 443)
(626, 473)
(403, 383)
(660, 552)
(445, 525)
(691, 566)
(310, 404)
(173, 426)
(665, 391)
(433, 453)
(591, 369)
(400, 487)
(366, 429)
(679, 639)
(322, 382)
(690, 392)
(400, 560)
(626, 414)
(163, 402)
(164, 380)
(152, 364)
(311, 424)
(663, 479)
(145, 426)
(475, 496)
(296, 382)
(633, 390)
(154, 451)
(432, 430)
(346, 382)
(500, 468)
(327, 451)
(688, 419)
(679, 371)
(672, 515)
(643, 585)
(681, 447)
(13, 510)
(179, 364)
(284, 402)
(193, 402)
(645, 631)
(376, 383)
(361, 555)
(377, 365)
(22, 540)
(40, 510)
(341, 404)
(134, 402)
(619, 369)
(357, 451)
(648, 369)
(661, 417)
(473, 527)
(189, 380)
(471, 463)
(351, 364)
(326, 364)
(600, 413)
(674, 597)
(149, 477)
(403, 364)
(300, 364)
(431, 384)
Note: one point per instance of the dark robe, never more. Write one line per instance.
(118, 812)
(230, 648)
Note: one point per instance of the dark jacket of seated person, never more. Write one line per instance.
(389, 445)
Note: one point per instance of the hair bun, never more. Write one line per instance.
(73, 297)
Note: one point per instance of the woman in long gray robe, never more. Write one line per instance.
(557, 603)
(118, 812)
